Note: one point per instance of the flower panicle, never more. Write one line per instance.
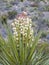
(22, 25)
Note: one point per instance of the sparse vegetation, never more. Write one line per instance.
(43, 35)
(4, 19)
(12, 14)
(21, 0)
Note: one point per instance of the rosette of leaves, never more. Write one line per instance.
(22, 54)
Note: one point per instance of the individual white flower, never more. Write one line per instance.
(22, 32)
(25, 13)
(30, 24)
(26, 25)
(15, 20)
(15, 33)
(13, 24)
(17, 39)
(32, 39)
(21, 29)
(25, 34)
(14, 28)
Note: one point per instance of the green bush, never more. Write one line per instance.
(4, 19)
(12, 14)
(44, 34)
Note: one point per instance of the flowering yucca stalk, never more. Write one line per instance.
(20, 48)
(22, 28)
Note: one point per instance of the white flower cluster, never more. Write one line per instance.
(22, 26)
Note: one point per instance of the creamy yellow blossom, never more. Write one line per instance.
(23, 26)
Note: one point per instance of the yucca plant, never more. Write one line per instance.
(21, 48)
